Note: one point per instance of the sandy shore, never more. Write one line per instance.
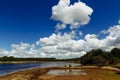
(93, 73)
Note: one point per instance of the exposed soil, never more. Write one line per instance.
(93, 73)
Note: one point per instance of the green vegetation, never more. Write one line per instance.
(101, 58)
(11, 58)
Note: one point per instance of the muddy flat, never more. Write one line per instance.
(78, 73)
(91, 74)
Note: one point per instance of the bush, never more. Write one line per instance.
(101, 58)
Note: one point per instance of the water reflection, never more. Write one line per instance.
(66, 72)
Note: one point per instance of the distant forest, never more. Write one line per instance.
(101, 58)
(11, 58)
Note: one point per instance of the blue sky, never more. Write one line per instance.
(28, 20)
(24, 21)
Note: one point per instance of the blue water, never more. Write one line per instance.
(9, 68)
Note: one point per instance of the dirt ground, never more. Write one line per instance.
(93, 73)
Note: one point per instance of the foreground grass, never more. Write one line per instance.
(102, 74)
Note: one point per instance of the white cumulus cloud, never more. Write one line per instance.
(61, 46)
(52, 40)
(113, 39)
(65, 46)
(4, 52)
(77, 14)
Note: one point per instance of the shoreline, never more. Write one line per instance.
(35, 73)
(18, 62)
(17, 71)
(26, 74)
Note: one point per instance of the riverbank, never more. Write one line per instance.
(93, 73)
(18, 62)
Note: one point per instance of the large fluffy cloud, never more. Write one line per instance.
(67, 47)
(92, 42)
(113, 39)
(110, 41)
(61, 46)
(64, 46)
(54, 39)
(4, 52)
(21, 50)
(72, 45)
(75, 15)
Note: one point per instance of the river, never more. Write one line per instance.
(9, 68)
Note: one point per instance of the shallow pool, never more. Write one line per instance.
(66, 72)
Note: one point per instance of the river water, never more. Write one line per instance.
(9, 68)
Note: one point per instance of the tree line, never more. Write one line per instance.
(101, 58)
(12, 58)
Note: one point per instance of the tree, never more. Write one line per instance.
(5, 58)
(115, 52)
(101, 58)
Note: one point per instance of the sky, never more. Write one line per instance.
(58, 28)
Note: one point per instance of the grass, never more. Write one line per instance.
(101, 74)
